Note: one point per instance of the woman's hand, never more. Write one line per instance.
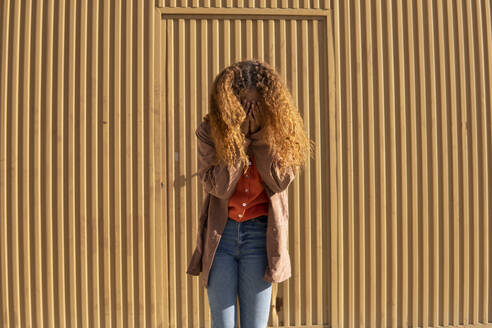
(246, 123)
(254, 114)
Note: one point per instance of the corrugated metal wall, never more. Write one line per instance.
(98, 201)
(414, 155)
(80, 206)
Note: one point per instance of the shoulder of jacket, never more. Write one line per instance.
(204, 125)
(203, 131)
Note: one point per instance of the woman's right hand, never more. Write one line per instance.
(254, 117)
(246, 123)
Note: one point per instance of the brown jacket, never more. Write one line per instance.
(219, 182)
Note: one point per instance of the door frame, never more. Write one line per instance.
(327, 15)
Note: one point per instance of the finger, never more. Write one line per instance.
(250, 107)
(253, 109)
(247, 107)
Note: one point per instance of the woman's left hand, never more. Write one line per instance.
(254, 114)
(245, 125)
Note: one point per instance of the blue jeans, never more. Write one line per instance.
(237, 271)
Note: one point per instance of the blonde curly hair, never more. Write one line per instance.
(281, 124)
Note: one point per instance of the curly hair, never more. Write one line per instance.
(281, 124)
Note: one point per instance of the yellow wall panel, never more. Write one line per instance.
(79, 189)
(414, 94)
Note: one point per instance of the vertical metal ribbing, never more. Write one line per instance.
(360, 212)
(319, 282)
(60, 248)
(4, 259)
(412, 48)
(26, 133)
(347, 252)
(403, 127)
(304, 108)
(381, 198)
(48, 174)
(157, 151)
(392, 147)
(435, 197)
(117, 117)
(462, 131)
(485, 46)
(129, 211)
(423, 216)
(335, 161)
(162, 41)
(106, 123)
(37, 249)
(72, 122)
(151, 116)
(93, 125)
(472, 130)
(140, 153)
(170, 170)
(12, 226)
(371, 108)
(295, 194)
(443, 107)
(259, 47)
(181, 161)
(455, 295)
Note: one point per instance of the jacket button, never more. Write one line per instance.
(240, 215)
(246, 190)
(244, 204)
(246, 175)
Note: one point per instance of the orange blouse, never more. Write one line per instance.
(250, 199)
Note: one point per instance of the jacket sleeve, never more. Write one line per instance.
(217, 179)
(267, 168)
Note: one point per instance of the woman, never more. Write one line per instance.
(251, 145)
